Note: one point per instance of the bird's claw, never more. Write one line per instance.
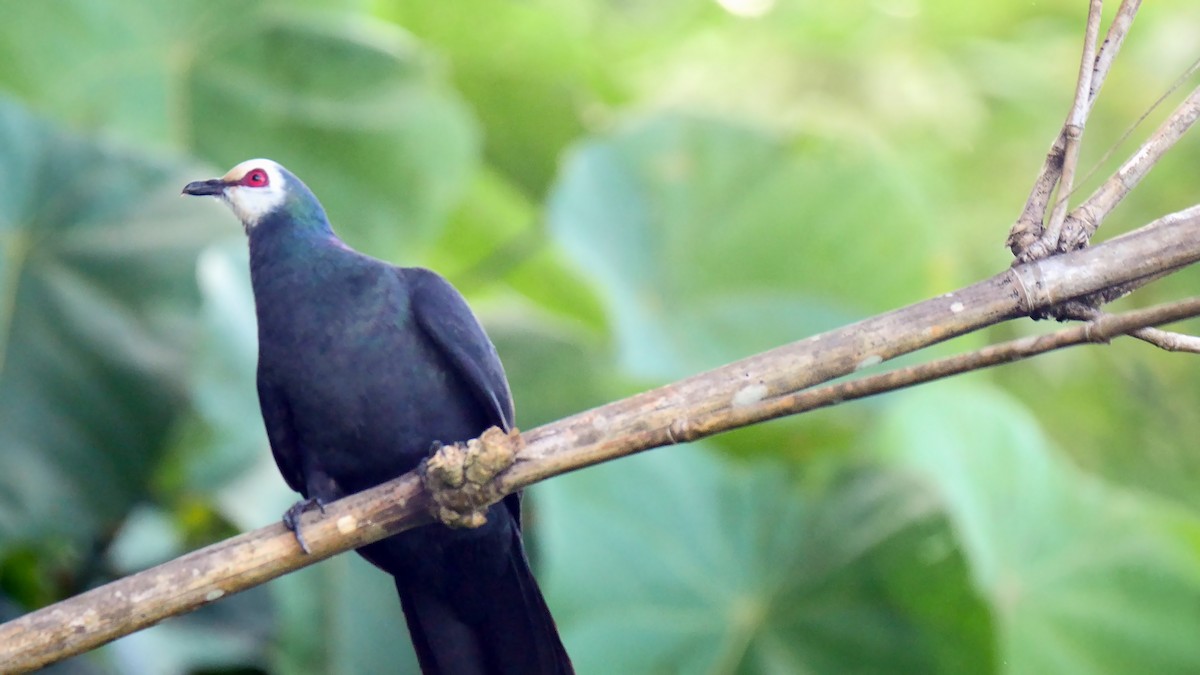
(291, 518)
(460, 477)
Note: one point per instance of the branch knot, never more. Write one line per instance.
(461, 477)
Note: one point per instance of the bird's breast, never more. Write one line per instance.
(369, 392)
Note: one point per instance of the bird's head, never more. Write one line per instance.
(253, 189)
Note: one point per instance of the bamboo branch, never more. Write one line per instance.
(1167, 340)
(1084, 220)
(1029, 229)
(645, 421)
(746, 392)
(1100, 330)
(1080, 226)
(1113, 40)
(1072, 133)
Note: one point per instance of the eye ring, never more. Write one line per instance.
(255, 178)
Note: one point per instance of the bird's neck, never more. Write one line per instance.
(285, 243)
(291, 230)
(295, 219)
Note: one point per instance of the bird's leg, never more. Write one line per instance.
(291, 518)
(460, 477)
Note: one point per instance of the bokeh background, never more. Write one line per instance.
(628, 192)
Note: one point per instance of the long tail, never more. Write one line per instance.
(510, 632)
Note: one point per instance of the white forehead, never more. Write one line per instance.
(274, 175)
(250, 204)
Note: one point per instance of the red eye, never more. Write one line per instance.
(255, 178)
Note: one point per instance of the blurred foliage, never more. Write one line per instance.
(629, 193)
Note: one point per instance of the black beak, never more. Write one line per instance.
(214, 187)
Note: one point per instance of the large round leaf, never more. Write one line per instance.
(1081, 577)
(674, 561)
(223, 435)
(97, 301)
(357, 108)
(353, 107)
(711, 241)
(118, 65)
(554, 371)
(339, 618)
(530, 78)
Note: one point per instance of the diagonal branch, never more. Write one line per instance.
(1077, 229)
(747, 391)
(1117, 31)
(1028, 230)
(1072, 133)
(1100, 330)
(1166, 340)
(1086, 218)
(1171, 342)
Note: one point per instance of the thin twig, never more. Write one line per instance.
(1179, 81)
(1028, 228)
(1076, 121)
(1168, 340)
(1113, 40)
(1083, 222)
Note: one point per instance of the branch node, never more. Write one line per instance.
(1027, 279)
(1095, 332)
(679, 431)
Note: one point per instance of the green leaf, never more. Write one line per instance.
(674, 561)
(496, 234)
(479, 240)
(354, 107)
(117, 65)
(528, 81)
(97, 297)
(340, 617)
(1121, 396)
(711, 241)
(554, 371)
(224, 433)
(1081, 577)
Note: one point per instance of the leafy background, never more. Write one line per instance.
(629, 193)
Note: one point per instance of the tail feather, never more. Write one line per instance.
(444, 644)
(513, 633)
(471, 602)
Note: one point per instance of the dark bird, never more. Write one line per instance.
(362, 368)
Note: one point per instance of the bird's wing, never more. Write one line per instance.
(443, 314)
(277, 417)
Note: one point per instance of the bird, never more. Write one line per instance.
(363, 369)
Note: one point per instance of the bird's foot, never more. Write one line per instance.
(460, 477)
(291, 518)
